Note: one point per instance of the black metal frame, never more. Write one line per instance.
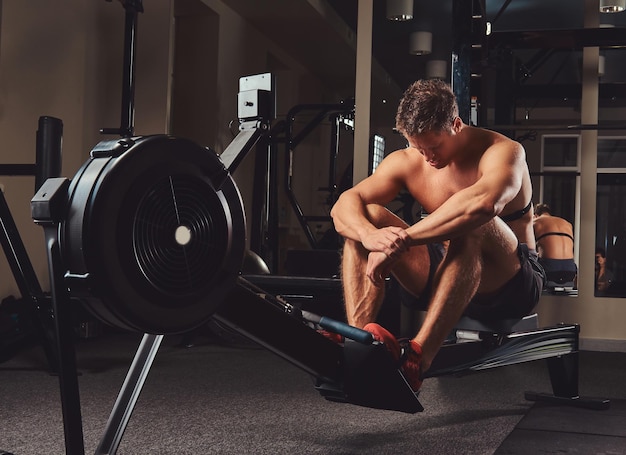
(48, 207)
(501, 343)
(37, 303)
(127, 122)
(293, 139)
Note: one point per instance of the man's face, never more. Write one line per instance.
(599, 259)
(436, 148)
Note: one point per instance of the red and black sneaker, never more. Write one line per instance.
(410, 363)
(408, 356)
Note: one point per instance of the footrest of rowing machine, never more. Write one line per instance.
(371, 379)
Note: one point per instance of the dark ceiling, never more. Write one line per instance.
(543, 37)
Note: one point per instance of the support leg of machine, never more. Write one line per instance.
(563, 372)
(129, 393)
(68, 378)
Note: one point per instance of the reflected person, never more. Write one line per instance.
(604, 276)
(555, 245)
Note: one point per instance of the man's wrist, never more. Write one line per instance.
(364, 231)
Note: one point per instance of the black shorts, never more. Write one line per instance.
(558, 265)
(517, 298)
(559, 272)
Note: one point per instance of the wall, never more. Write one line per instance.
(70, 67)
(42, 72)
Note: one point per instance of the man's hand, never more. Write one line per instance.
(378, 267)
(392, 241)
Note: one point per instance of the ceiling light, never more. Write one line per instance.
(612, 6)
(436, 69)
(420, 43)
(601, 65)
(399, 10)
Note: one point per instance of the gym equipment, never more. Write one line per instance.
(155, 235)
(33, 309)
(341, 114)
(287, 135)
(479, 345)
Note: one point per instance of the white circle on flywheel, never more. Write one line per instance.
(182, 235)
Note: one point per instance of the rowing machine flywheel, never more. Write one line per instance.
(154, 236)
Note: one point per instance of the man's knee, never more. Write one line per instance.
(353, 250)
(492, 239)
(468, 244)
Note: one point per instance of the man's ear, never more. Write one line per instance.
(457, 124)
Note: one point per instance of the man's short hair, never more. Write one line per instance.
(427, 105)
(540, 209)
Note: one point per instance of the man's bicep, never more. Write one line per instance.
(380, 187)
(502, 175)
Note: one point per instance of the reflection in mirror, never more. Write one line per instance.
(611, 235)
(555, 215)
(555, 245)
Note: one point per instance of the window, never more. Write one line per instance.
(377, 152)
(560, 152)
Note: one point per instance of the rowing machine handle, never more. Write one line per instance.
(346, 330)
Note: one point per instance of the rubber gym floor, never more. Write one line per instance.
(235, 398)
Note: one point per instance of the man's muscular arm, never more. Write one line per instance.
(350, 211)
(501, 171)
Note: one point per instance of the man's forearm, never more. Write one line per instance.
(452, 219)
(349, 218)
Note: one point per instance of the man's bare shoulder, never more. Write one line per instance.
(402, 160)
(401, 154)
(495, 149)
(502, 144)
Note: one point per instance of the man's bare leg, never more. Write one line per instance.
(455, 284)
(463, 272)
(362, 298)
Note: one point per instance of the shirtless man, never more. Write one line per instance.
(555, 244)
(475, 185)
